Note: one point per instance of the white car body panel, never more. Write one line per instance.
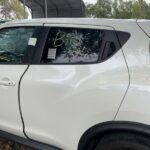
(135, 107)
(145, 25)
(19, 24)
(10, 120)
(69, 99)
(60, 102)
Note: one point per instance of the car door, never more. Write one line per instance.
(13, 49)
(79, 80)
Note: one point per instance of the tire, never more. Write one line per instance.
(124, 141)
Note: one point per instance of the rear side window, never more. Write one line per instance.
(65, 45)
(79, 46)
(13, 44)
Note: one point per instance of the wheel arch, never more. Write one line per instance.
(92, 135)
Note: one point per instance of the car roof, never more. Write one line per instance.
(77, 21)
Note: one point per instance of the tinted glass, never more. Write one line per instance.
(70, 45)
(13, 44)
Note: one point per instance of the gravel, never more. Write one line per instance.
(10, 145)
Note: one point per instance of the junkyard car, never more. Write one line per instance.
(76, 84)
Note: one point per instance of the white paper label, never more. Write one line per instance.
(52, 53)
(32, 41)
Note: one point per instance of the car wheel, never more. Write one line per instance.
(123, 141)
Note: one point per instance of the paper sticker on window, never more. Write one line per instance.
(52, 53)
(32, 41)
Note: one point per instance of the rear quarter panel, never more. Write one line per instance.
(136, 105)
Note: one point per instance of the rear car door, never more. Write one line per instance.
(78, 79)
(13, 49)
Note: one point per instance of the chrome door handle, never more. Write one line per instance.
(7, 83)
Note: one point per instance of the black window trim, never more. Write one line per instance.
(39, 47)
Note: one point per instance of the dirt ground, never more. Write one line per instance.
(9, 145)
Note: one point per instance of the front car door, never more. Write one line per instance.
(79, 81)
(13, 48)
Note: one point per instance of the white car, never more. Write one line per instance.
(76, 84)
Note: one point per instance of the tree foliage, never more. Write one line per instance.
(11, 9)
(119, 9)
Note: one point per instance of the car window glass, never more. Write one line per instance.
(13, 44)
(70, 45)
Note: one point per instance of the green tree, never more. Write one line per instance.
(141, 10)
(119, 9)
(103, 8)
(122, 9)
(12, 9)
(90, 10)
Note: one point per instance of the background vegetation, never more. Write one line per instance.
(11, 9)
(119, 9)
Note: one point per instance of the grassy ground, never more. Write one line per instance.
(9, 145)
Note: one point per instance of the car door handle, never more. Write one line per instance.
(7, 83)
